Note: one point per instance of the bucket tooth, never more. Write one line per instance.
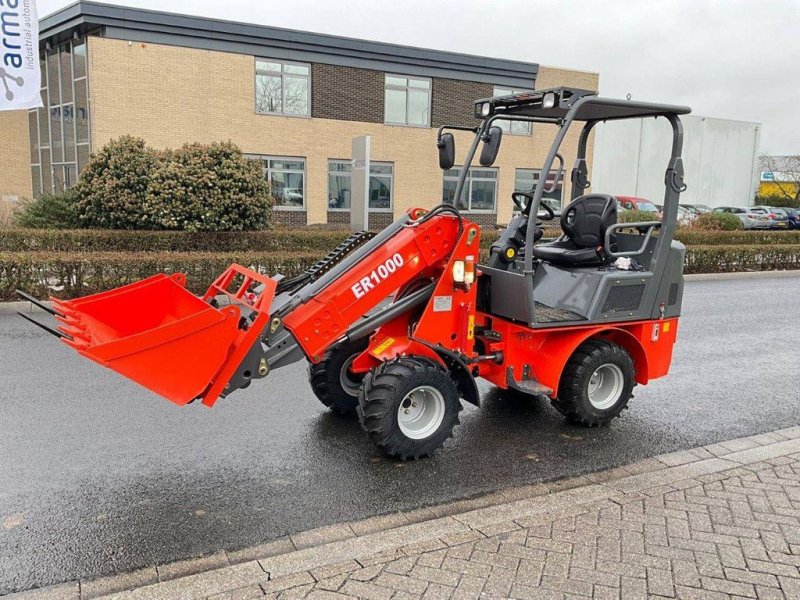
(38, 303)
(47, 328)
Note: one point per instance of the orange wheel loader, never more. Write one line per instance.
(397, 327)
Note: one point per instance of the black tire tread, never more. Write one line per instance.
(324, 379)
(379, 398)
(591, 354)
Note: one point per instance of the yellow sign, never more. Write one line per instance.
(471, 327)
(666, 327)
(383, 346)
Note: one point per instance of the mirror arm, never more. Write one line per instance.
(455, 128)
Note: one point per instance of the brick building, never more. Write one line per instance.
(293, 100)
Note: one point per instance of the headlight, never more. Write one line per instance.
(549, 100)
(458, 271)
(485, 108)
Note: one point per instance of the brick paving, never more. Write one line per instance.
(734, 534)
(722, 521)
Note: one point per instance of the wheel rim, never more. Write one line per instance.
(421, 412)
(605, 386)
(350, 383)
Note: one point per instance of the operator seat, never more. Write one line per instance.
(584, 222)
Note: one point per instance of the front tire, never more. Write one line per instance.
(596, 384)
(409, 407)
(332, 381)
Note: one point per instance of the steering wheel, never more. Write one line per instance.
(525, 201)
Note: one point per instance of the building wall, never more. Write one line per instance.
(170, 95)
(719, 157)
(15, 159)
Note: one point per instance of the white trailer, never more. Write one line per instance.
(720, 158)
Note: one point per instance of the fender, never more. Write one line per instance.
(383, 348)
(557, 348)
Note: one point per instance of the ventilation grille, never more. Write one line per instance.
(673, 294)
(624, 298)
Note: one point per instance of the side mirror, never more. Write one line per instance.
(447, 151)
(491, 146)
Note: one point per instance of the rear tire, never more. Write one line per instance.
(333, 382)
(409, 407)
(596, 384)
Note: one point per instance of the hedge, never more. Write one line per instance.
(737, 258)
(105, 240)
(44, 274)
(100, 240)
(70, 275)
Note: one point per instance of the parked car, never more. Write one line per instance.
(793, 215)
(781, 220)
(775, 216)
(685, 216)
(641, 204)
(751, 219)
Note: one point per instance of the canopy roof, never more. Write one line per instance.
(555, 103)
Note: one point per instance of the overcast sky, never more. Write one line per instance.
(728, 59)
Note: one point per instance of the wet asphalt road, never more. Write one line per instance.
(98, 476)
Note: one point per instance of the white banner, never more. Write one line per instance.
(20, 76)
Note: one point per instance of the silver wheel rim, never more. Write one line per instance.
(349, 384)
(605, 386)
(421, 412)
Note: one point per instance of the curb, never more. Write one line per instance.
(309, 556)
(21, 305)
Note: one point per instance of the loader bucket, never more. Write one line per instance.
(165, 338)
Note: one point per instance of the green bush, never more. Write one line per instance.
(127, 185)
(717, 221)
(112, 189)
(635, 216)
(48, 211)
(208, 188)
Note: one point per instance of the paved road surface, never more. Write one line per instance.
(98, 476)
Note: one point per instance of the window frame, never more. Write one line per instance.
(406, 88)
(510, 124)
(69, 160)
(283, 75)
(468, 187)
(349, 174)
(264, 159)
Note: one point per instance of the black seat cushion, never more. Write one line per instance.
(584, 222)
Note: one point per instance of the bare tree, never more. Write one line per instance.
(785, 174)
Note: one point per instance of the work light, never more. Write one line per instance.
(548, 100)
(485, 108)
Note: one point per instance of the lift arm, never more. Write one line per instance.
(183, 347)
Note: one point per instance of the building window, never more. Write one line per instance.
(525, 180)
(380, 185)
(512, 127)
(59, 131)
(407, 101)
(282, 88)
(286, 178)
(480, 190)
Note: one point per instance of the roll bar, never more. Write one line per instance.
(592, 109)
